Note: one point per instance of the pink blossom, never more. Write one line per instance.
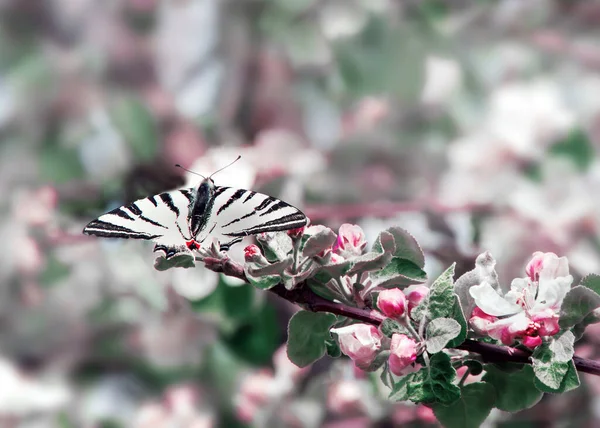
(403, 352)
(361, 342)
(392, 303)
(530, 309)
(284, 367)
(415, 295)
(350, 241)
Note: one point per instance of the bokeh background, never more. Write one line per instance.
(472, 124)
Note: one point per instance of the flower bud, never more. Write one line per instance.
(361, 342)
(415, 295)
(403, 352)
(296, 233)
(392, 303)
(350, 241)
(252, 253)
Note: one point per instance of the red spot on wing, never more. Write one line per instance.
(192, 245)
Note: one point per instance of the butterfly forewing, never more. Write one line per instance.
(162, 218)
(237, 213)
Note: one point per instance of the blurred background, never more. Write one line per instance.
(472, 124)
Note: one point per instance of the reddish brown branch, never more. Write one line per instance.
(307, 299)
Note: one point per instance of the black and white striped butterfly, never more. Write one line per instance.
(181, 220)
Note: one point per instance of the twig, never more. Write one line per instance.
(307, 299)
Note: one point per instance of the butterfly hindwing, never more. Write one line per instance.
(162, 218)
(236, 213)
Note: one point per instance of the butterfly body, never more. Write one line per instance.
(181, 220)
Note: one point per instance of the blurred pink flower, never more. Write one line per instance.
(285, 368)
(392, 303)
(361, 342)
(403, 352)
(350, 241)
(345, 397)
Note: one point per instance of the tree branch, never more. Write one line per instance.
(308, 300)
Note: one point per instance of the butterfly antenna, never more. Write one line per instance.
(191, 172)
(226, 166)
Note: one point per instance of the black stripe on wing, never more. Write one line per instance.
(168, 200)
(237, 195)
(291, 221)
(109, 230)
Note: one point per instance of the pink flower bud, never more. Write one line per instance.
(252, 253)
(296, 233)
(415, 295)
(350, 241)
(361, 342)
(392, 303)
(403, 352)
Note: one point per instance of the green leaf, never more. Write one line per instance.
(378, 258)
(548, 372)
(263, 282)
(308, 334)
(515, 391)
(184, 260)
(137, 125)
(389, 326)
(579, 302)
(407, 247)
(429, 385)
(592, 281)
(570, 381)
(475, 403)
(333, 348)
(562, 347)
(275, 245)
(275, 268)
(475, 367)
(319, 242)
(398, 272)
(457, 315)
(439, 332)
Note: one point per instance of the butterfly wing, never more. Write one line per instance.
(236, 213)
(162, 218)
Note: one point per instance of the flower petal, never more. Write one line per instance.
(490, 302)
(552, 292)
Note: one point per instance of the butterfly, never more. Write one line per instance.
(181, 220)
